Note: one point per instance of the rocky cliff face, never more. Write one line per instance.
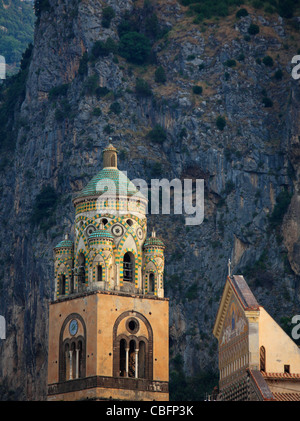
(250, 166)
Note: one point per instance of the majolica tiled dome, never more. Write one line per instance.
(98, 184)
(153, 241)
(65, 243)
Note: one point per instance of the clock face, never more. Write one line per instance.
(73, 327)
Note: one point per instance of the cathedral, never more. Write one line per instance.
(109, 319)
(258, 361)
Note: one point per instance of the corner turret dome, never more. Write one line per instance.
(66, 243)
(153, 241)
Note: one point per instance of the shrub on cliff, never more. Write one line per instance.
(220, 122)
(135, 47)
(108, 14)
(157, 134)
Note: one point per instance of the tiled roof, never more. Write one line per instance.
(281, 376)
(286, 396)
(65, 243)
(261, 384)
(153, 241)
(244, 293)
(99, 185)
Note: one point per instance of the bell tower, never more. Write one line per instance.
(109, 320)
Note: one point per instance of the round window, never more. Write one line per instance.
(132, 325)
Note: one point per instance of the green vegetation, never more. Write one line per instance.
(142, 88)
(278, 74)
(58, 91)
(135, 47)
(207, 9)
(184, 388)
(282, 203)
(259, 273)
(44, 207)
(157, 134)
(192, 292)
(97, 112)
(160, 75)
(41, 6)
(115, 108)
(83, 64)
(267, 102)
(91, 84)
(103, 49)
(268, 61)
(241, 13)
(221, 122)
(108, 14)
(230, 63)
(197, 90)
(17, 25)
(253, 29)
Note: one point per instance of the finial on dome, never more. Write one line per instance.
(66, 236)
(110, 156)
(229, 267)
(153, 233)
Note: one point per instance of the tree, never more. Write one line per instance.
(157, 134)
(220, 122)
(135, 47)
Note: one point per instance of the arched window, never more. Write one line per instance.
(62, 284)
(132, 359)
(72, 350)
(142, 360)
(99, 273)
(133, 351)
(128, 267)
(66, 362)
(262, 359)
(79, 359)
(123, 358)
(151, 282)
(129, 222)
(81, 268)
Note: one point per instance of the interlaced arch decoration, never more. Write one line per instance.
(138, 339)
(67, 271)
(136, 266)
(86, 261)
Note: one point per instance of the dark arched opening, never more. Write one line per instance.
(81, 268)
(99, 273)
(142, 360)
(122, 358)
(151, 282)
(62, 284)
(128, 267)
(131, 359)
